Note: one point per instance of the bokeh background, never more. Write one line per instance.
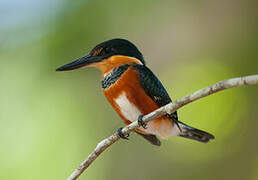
(50, 121)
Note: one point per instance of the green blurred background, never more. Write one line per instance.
(50, 121)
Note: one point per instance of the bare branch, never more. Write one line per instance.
(168, 109)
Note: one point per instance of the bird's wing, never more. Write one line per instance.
(154, 88)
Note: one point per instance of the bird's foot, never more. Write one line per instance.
(121, 135)
(141, 122)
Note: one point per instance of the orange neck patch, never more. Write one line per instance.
(112, 62)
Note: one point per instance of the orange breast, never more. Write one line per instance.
(129, 100)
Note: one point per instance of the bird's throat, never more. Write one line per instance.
(107, 65)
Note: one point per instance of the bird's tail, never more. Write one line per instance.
(151, 138)
(192, 133)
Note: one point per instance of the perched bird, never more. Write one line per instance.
(133, 90)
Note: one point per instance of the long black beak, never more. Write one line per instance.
(81, 62)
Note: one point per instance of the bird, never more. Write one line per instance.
(133, 91)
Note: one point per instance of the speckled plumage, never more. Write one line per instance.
(154, 88)
(113, 76)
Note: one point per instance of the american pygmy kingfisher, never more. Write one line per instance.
(133, 90)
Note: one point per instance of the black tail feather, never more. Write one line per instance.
(151, 138)
(195, 134)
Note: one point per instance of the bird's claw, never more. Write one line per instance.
(141, 122)
(121, 135)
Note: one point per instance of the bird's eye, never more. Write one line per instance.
(103, 51)
(108, 50)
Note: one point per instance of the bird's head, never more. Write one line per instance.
(107, 55)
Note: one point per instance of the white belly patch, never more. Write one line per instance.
(131, 113)
(127, 109)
